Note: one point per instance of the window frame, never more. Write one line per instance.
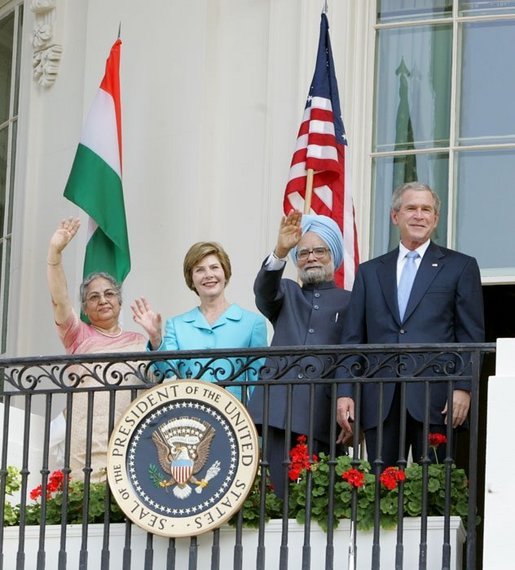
(453, 150)
(11, 125)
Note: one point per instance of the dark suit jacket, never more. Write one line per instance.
(309, 315)
(445, 306)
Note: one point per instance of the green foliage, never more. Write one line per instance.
(12, 484)
(359, 490)
(251, 507)
(364, 495)
(53, 503)
(75, 511)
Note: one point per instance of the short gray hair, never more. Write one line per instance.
(418, 187)
(102, 275)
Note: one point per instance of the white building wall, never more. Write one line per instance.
(212, 97)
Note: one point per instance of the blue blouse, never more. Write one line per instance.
(235, 328)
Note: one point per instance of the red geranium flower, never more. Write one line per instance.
(354, 477)
(436, 439)
(391, 476)
(35, 493)
(300, 460)
(54, 484)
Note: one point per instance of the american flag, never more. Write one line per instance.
(322, 146)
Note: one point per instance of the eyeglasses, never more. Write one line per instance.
(319, 252)
(108, 295)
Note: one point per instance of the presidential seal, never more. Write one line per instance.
(183, 458)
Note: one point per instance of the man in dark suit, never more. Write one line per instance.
(307, 314)
(444, 305)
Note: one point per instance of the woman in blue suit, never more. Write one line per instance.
(215, 323)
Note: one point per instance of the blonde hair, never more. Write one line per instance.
(196, 254)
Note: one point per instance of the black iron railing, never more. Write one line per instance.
(40, 387)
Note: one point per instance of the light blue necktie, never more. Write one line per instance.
(406, 281)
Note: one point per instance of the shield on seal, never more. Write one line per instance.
(182, 470)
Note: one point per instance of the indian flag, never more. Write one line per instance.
(95, 182)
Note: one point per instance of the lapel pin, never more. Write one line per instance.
(434, 264)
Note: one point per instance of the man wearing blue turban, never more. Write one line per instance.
(311, 313)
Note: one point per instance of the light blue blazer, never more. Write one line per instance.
(236, 328)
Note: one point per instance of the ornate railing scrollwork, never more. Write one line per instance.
(285, 364)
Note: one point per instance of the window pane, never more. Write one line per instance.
(18, 61)
(429, 169)
(6, 54)
(484, 222)
(3, 177)
(482, 7)
(398, 10)
(9, 92)
(7, 223)
(488, 83)
(5, 250)
(413, 85)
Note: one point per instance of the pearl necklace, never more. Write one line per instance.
(105, 333)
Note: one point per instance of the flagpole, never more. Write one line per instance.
(309, 190)
(310, 172)
(325, 154)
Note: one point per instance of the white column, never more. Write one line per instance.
(500, 460)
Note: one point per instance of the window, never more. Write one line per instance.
(10, 50)
(444, 115)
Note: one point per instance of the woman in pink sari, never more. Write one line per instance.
(101, 303)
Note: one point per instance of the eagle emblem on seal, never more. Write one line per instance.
(183, 446)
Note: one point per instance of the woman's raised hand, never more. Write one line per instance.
(64, 234)
(144, 315)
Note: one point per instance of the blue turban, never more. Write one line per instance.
(328, 230)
